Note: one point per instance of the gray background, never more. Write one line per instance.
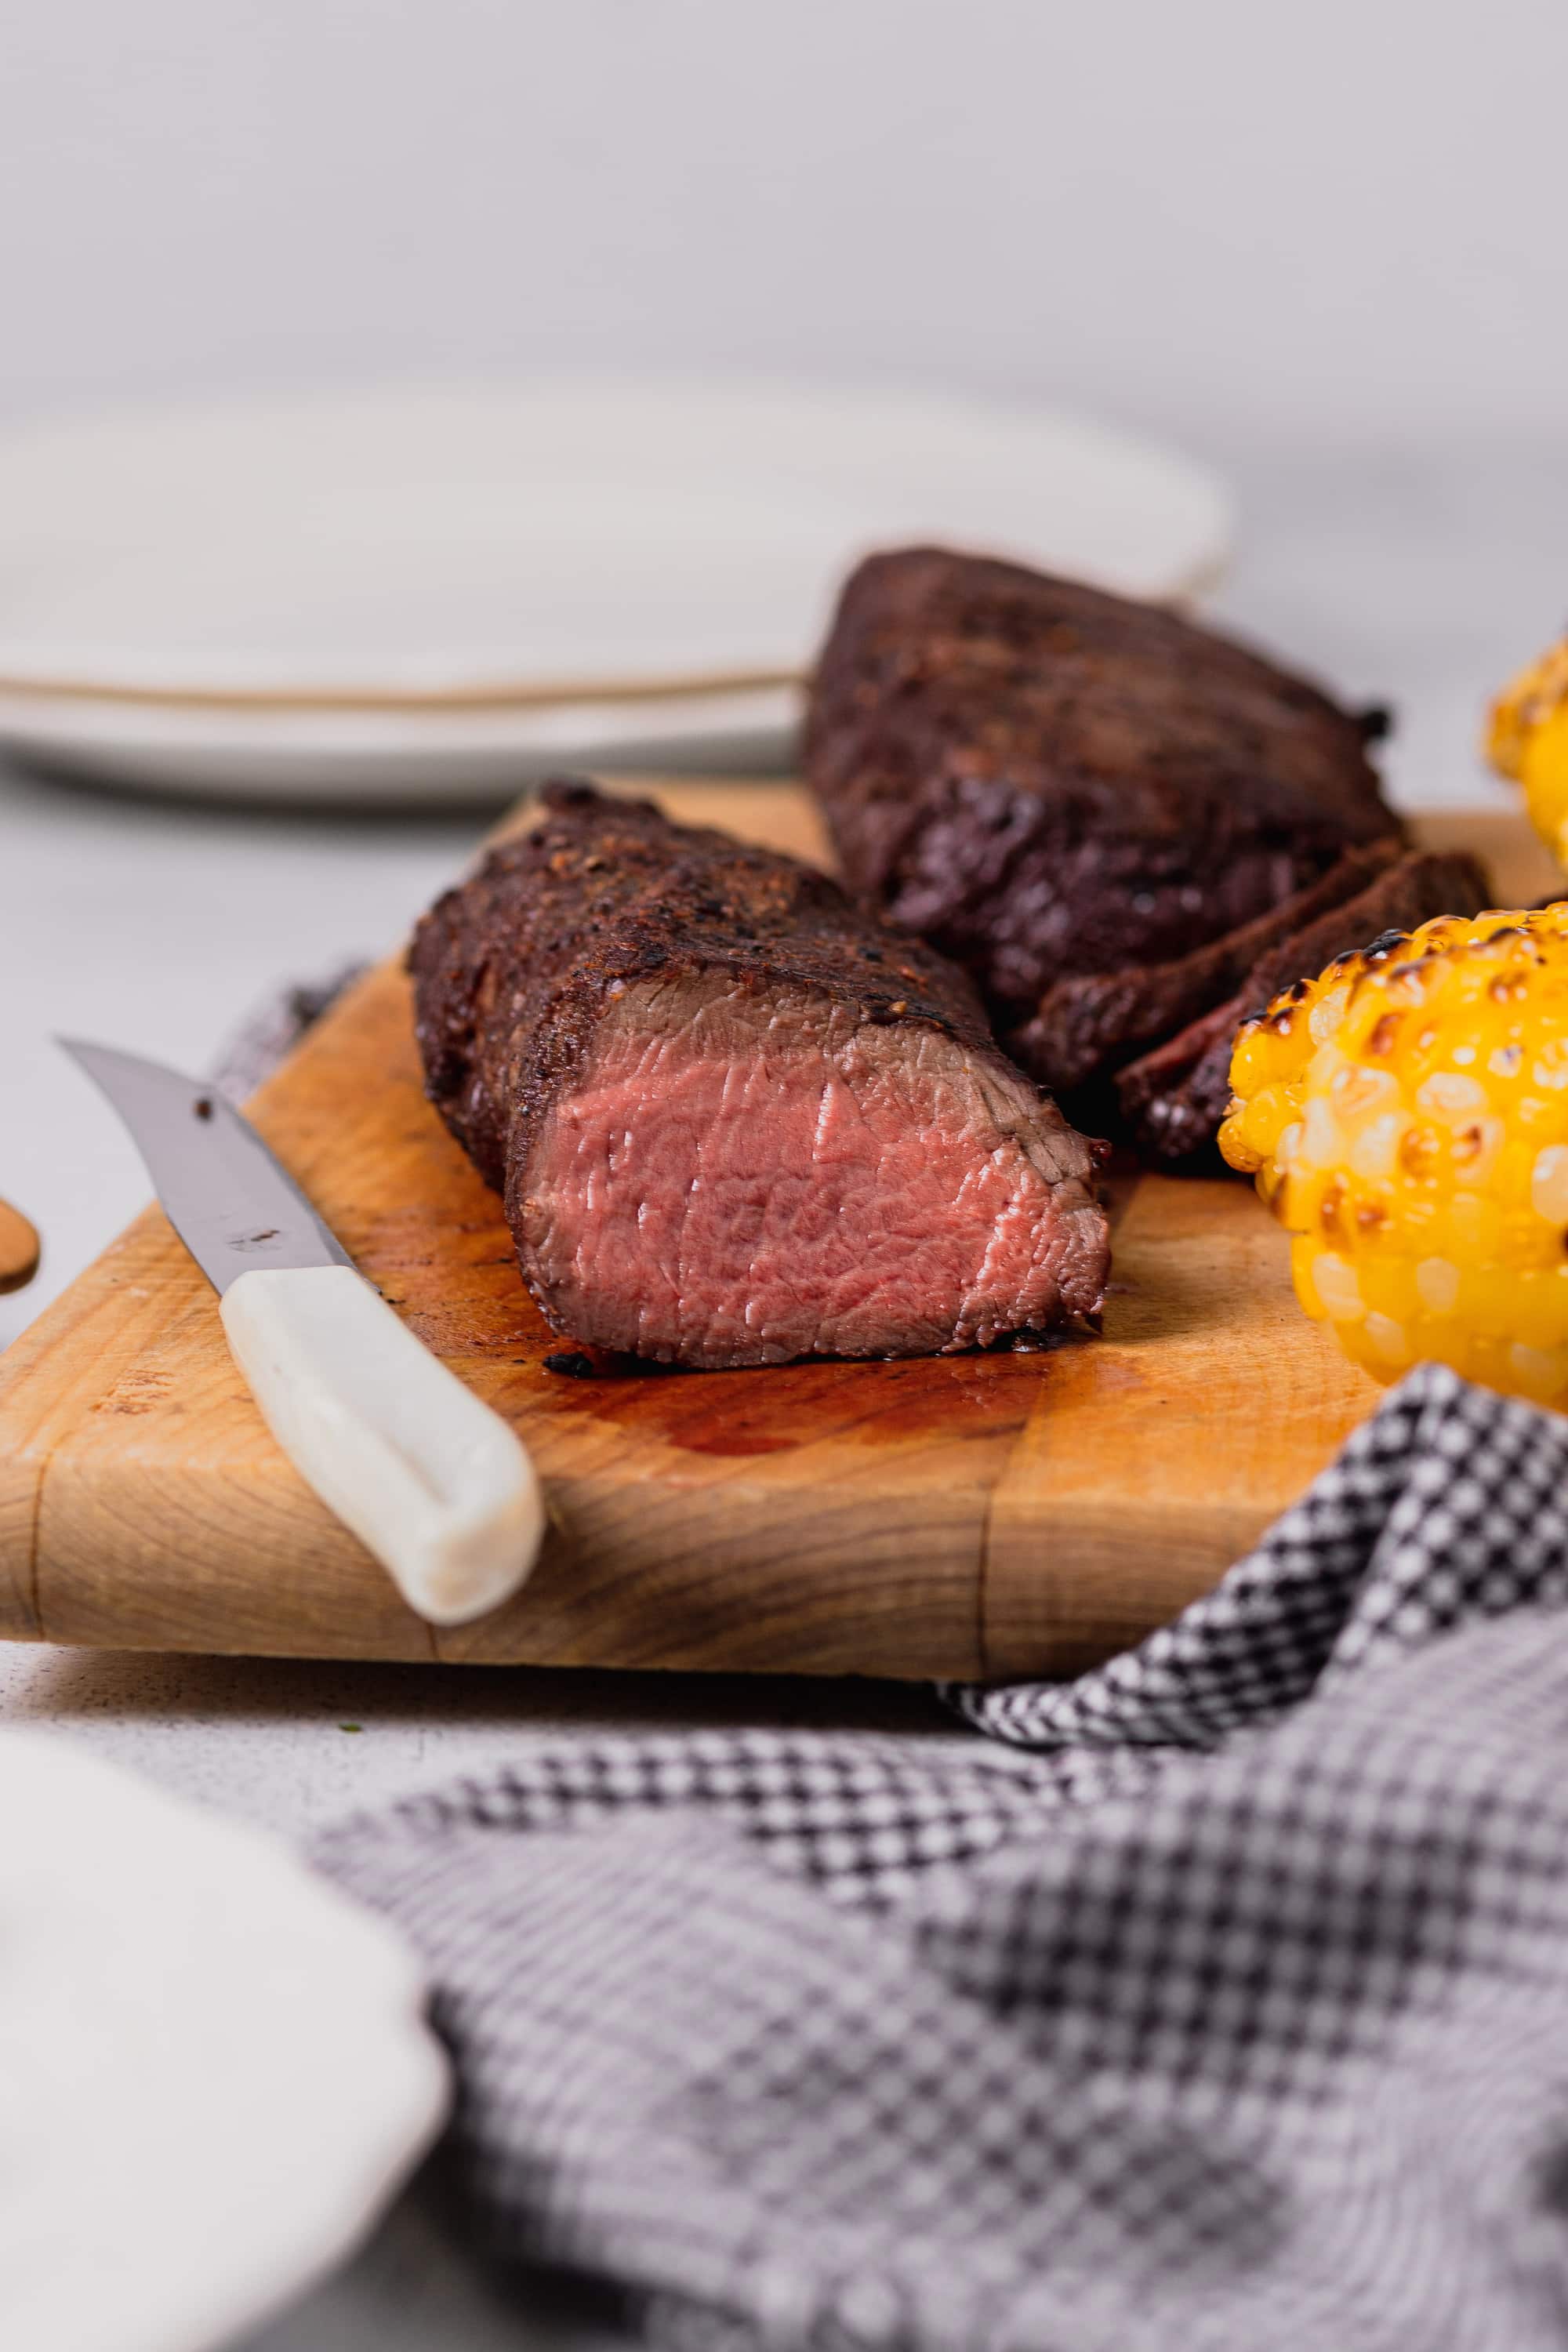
(1218, 217)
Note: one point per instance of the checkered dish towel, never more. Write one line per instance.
(1220, 1999)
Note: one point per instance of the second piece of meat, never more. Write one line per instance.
(1043, 779)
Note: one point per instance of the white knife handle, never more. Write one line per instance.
(430, 1480)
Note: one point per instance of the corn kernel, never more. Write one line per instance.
(1326, 1014)
(1540, 1372)
(1549, 1184)
(1338, 1287)
(1438, 1286)
(1388, 1342)
(1375, 1150)
(1450, 1096)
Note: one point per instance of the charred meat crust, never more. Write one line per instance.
(1041, 778)
(1089, 1023)
(512, 966)
(514, 970)
(1174, 1098)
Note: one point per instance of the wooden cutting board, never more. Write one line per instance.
(964, 1515)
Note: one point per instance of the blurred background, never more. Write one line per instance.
(1320, 252)
(1214, 221)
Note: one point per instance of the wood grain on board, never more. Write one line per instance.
(957, 1516)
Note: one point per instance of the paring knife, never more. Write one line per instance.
(430, 1480)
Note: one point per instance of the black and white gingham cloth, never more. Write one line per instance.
(1220, 1999)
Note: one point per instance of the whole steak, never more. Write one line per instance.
(1043, 779)
(734, 1119)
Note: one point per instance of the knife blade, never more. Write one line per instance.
(231, 1202)
(433, 1482)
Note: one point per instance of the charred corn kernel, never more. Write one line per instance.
(1406, 1116)
(1527, 740)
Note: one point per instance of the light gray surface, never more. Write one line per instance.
(293, 1745)
(1421, 571)
(1184, 216)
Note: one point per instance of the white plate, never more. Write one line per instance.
(213, 2066)
(416, 594)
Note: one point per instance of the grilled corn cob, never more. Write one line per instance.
(1407, 1117)
(1528, 742)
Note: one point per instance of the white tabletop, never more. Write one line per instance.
(1416, 576)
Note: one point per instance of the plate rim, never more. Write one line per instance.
(91, 680)
(478, 695)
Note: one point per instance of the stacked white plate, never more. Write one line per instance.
(421, 594)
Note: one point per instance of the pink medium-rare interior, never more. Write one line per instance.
(734, 1179)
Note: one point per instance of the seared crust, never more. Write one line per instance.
(513, 969)
(1091, 1022)
(1041, 778)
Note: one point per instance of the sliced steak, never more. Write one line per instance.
(1173, 1100)
(1043, 779)
(1088, 1024)
(734, 1119)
